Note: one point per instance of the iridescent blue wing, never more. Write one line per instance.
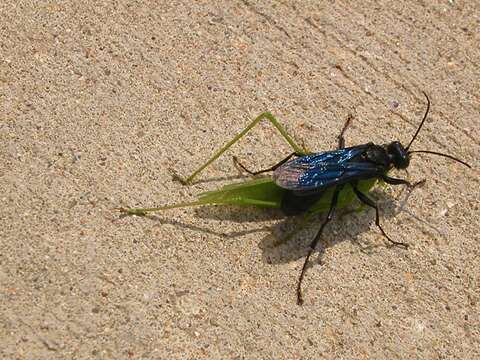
(322, 170)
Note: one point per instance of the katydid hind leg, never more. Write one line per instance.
(145, 211)
(369, 202)
(315, 241)
(267, 116)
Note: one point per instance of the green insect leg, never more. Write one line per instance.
(267, 116)
(144, 211)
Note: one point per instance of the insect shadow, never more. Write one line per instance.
(350, 225)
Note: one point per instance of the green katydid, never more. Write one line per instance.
(260, 192)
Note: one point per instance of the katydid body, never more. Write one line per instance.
(262, 192)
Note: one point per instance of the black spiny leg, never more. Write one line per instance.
(367, 201)
(315, 241)
(395, 181)
(274, 167)
(341, 138)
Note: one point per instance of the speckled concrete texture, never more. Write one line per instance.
(100, 101)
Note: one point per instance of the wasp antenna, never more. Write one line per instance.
(441, 154)
(423, 120)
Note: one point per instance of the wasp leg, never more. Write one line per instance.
(315, 241)
(267, 116)
(273, 168)
(410, 191)
(395, 181)
(367, 201)
(341, 138)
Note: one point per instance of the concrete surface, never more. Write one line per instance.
(99, 100)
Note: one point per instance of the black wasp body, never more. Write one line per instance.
(307, 177)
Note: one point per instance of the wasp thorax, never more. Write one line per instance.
(398, 155)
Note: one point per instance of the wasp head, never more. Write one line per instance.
(398, 155)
